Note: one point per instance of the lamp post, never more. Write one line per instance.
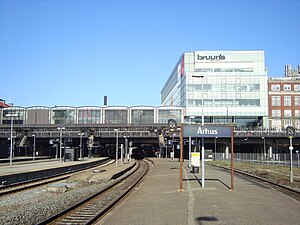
(126, 149)
(117, 144)
(166, 140)
(33, 154)
(11, 136)
(60, 142)
(215, 147)
(291, 148)
(80, 145)
(291, 133)
(297, 152)
(190, 143)
(264, 147)
(202, 123)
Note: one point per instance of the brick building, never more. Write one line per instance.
(284, 99)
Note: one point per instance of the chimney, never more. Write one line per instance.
(105, 100)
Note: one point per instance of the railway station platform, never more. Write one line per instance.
(42, 164)
(158, 200)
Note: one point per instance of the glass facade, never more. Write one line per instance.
(18, 115)
(228, 85)
(165, 114)
(63, 115)
(89, 115)
(142, 116)
(116, 116)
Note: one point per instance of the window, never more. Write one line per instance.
(142, 116)
(297, 124)
(276, 100)
(297, 113)
(296, 87)
(275, 87)
(287, 87)
(287, 101)
(297, 100)
(287, 123)
(288, 113)
(276, 113)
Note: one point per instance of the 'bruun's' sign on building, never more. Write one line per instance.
(207, 131)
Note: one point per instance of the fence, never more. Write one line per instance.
(283, 159)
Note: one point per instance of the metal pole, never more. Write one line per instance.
(56, 150)
(117, 145)
(232, 159)
(215, 147)
(190, 144)
(33, 155)
(60, 143)
(172, 147)
(181, 161)
(291, 160)
(202, 142)
(297, 158)
(122, 153)
(166, 148)
(122, 150)
(126, 149)
(190, 151)
(264, 158)
(80, 145)
(11, 140)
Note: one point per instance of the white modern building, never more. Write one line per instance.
(234, 87)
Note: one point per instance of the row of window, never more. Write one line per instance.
(224, 102)
(287, 100)
(222, 70)
(277, 123)
(240, 121)
(224, 87)
(286, 87)
(286, 113)
(89, 116)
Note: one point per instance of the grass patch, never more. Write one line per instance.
(275, 173)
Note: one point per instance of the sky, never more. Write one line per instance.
(75, 52)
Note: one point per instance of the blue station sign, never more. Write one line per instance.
(206, 131)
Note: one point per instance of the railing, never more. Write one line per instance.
(261, 158)
(144, 131)
(75, 134)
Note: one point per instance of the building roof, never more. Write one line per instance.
(4, 105)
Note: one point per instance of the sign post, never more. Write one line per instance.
(181, 156)
(206, 131)
(291, 133)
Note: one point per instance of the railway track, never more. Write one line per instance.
(21, 186)
(295, 194)
(96, 206)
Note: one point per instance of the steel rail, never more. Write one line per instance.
(96, 206)
(25, 185)
(267, 183)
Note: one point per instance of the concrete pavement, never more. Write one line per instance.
(158, 201)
